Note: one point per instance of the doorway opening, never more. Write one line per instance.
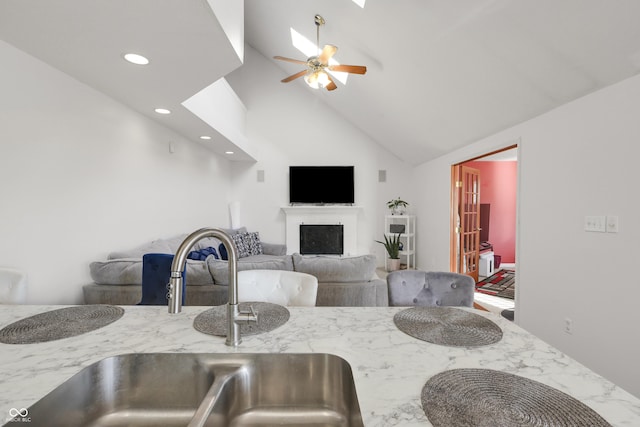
(483, 218)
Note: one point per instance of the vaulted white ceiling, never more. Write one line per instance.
(441, 73)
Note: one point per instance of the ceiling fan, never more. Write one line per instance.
(316, 74)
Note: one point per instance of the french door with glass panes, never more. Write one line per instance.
(466, 204)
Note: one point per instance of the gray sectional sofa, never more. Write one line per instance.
(341, 281)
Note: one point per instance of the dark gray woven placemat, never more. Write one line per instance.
(62, 323)
(448, 326)
(485, 397)
(214, 320)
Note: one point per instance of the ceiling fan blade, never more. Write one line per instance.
(294, 76)
(295, 61)
(332, 84)
(353, 69)
(327, 52)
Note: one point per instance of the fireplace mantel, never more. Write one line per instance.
(320, 209)
(322, 214)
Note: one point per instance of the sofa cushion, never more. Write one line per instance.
(331, 269)
(274, 249)
(128, 271)
(220, 269)
(232, 231)
(175, 242)
(159, 246)
(353, 294)
(125, 271)
(171, 245)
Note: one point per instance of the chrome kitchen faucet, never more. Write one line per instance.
(234, 316)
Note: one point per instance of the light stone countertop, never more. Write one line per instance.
(389, 367)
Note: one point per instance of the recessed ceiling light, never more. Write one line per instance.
(134, 58)
(228, 152)
(207, 137)
(162, 111)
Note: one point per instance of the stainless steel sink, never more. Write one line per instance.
(168, 389)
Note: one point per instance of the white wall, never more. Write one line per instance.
(82, 175)
(574, 161)
(288, 125)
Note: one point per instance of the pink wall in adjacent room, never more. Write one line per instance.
(498, 184)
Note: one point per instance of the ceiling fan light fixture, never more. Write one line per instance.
(317, 79)
(320, 63)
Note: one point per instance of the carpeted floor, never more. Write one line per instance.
(501, 284)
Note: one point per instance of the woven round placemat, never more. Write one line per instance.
(214, 320)
(62, 323)
(447, 326)
(485, 397)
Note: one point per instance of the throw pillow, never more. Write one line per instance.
(252, 243)
(202, 254)
(247, 244)
(243, 249)
(223, 252)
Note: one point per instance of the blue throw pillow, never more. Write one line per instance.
(202, 254)
(223, 252)
(156, 271)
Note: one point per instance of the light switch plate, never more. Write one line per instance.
(596, 224)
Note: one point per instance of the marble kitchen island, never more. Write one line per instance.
(389, 366)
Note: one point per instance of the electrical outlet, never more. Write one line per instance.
(568, 326)
(612, 224)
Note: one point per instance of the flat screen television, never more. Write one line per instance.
(321, 184)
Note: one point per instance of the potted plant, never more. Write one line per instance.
(392, 244)
(397, 206)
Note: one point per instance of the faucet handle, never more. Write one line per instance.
(248, 316)
(253, 313)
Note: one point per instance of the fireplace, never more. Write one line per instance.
(345, 216)
(321, 239)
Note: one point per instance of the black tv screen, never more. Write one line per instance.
(321, 184)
